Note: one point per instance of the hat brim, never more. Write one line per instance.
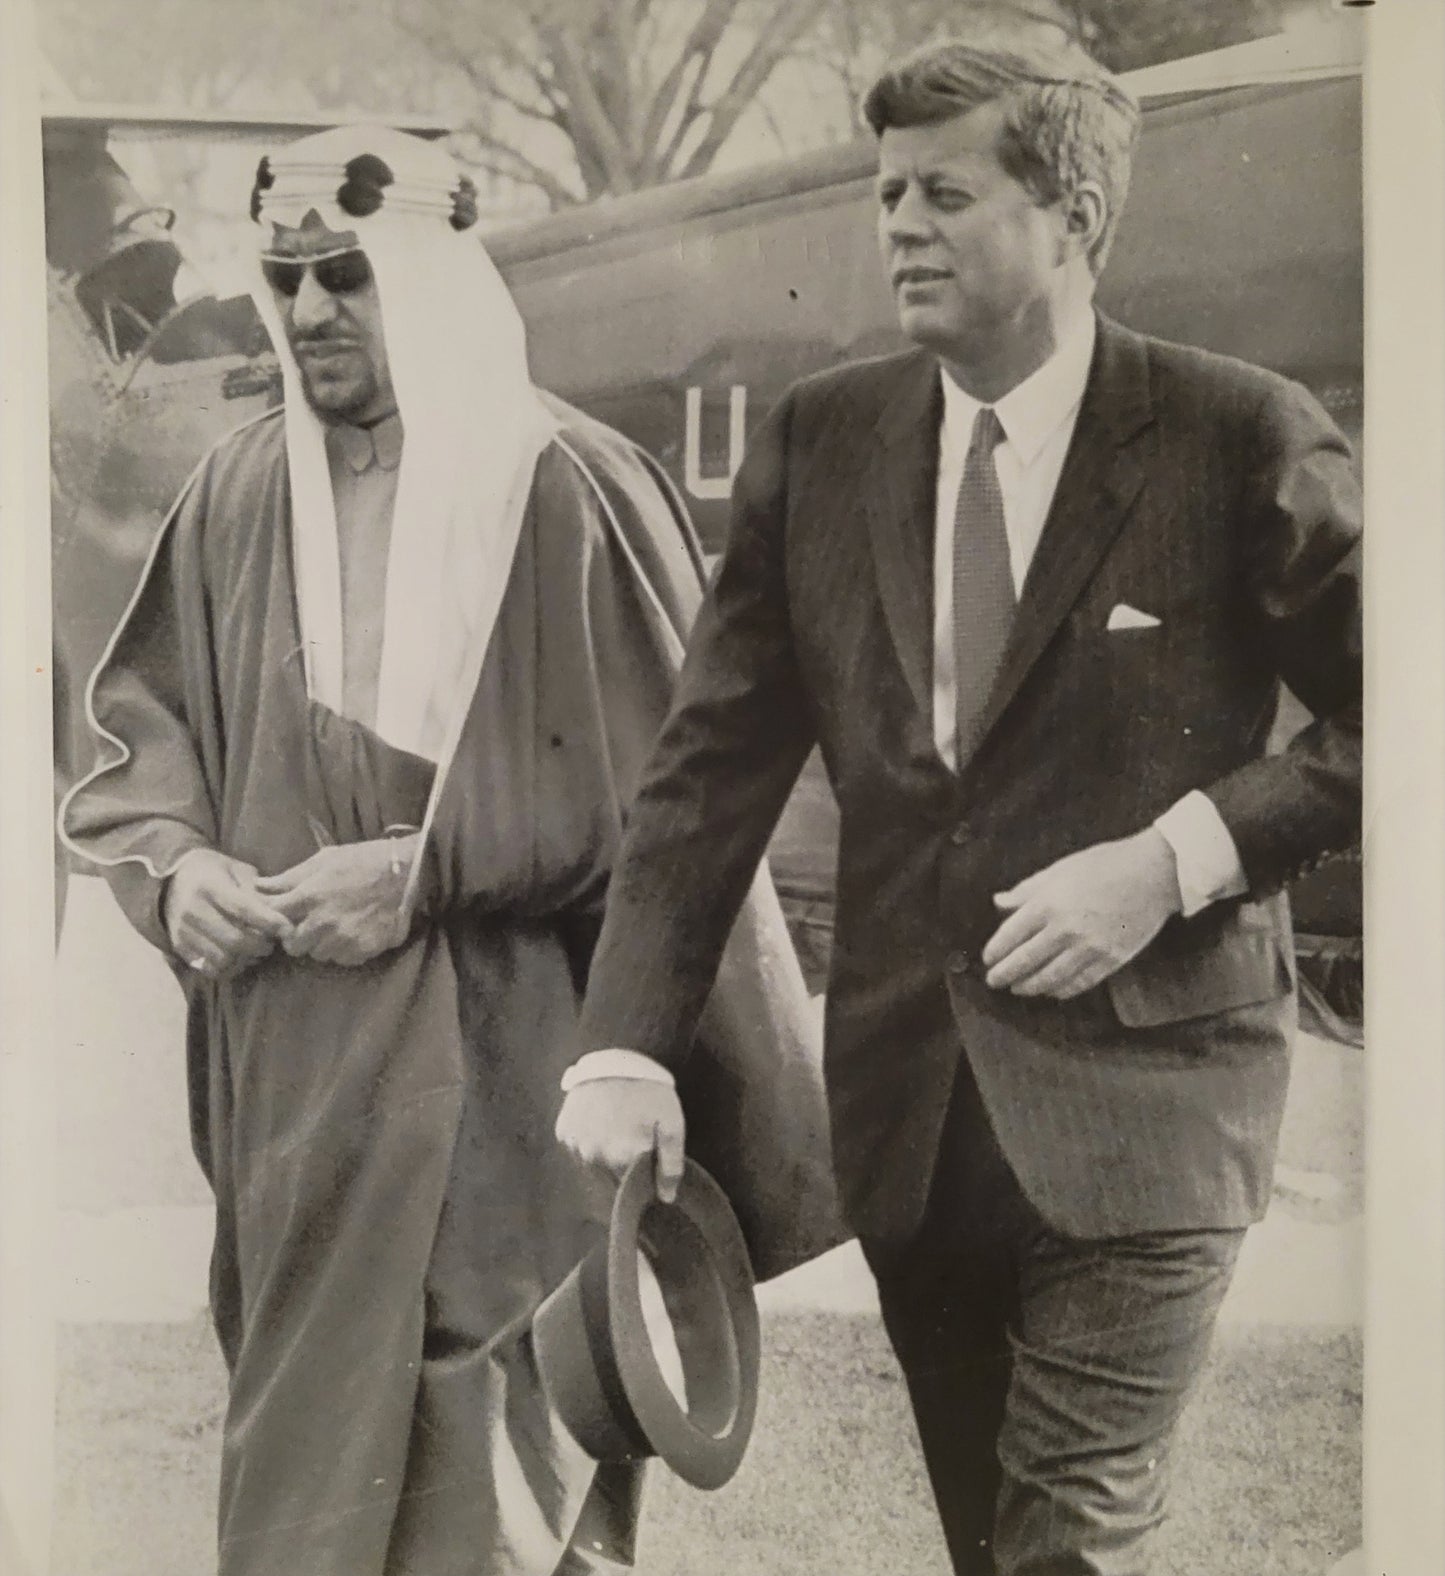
(596, 1356)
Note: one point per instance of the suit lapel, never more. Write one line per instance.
(1102, 475)
(899, 492)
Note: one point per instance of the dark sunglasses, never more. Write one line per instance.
(340, 273)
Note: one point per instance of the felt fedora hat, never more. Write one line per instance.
(597, 1357)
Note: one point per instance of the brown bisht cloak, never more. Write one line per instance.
(391, 1203)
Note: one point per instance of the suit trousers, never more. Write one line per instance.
(1046, 1374)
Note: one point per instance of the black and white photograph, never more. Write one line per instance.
(708, 731)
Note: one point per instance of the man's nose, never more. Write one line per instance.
(908, 221)
(313, 306)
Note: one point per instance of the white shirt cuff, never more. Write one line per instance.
(1205, 858)
(618, 1063)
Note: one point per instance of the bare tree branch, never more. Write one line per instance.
(786, 24)
(489, 86)
(534, 54)
(587, 112)
(442, 40)
(501, 158)
(701, 42)
(662, 154)
(663, 158)
(650, 25)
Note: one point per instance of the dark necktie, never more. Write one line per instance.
(983, 588)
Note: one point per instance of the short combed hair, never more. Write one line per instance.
(1067, 119)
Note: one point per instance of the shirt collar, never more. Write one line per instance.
(360, 448)
(1032, 411)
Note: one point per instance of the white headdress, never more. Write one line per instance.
(474, 425)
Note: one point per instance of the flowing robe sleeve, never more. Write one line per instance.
(151, 797)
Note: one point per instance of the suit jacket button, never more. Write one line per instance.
(957, 962)
(960, 834)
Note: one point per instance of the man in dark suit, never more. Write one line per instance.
(1033, 589)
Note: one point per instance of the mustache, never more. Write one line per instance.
(323, 336)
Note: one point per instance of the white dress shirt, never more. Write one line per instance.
(1038, 417)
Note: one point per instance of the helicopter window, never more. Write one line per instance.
(130, 298)
(131, 288)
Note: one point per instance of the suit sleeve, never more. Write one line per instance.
(1286, 812)
(729, 753)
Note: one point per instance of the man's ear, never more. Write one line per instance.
(1086, 212)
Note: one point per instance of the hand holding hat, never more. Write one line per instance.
(612, 1122)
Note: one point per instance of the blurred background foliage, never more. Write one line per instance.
(563, 101)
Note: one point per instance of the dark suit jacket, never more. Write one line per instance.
(1215, 496)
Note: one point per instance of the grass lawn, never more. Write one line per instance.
(1267, 1476)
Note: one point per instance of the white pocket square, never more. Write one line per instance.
(1126, 617)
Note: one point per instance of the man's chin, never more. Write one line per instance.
(334, 401)
(944, 335)
(931, 329)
